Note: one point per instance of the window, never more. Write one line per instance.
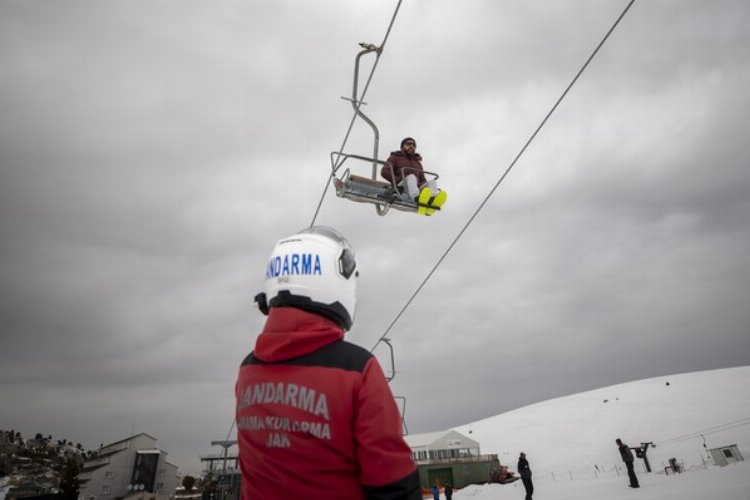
(144, 470)
(728, 453)
(159, 486)
(105, 490)
(109, 474)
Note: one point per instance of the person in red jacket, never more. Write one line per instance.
(315, 416)
(404, 169)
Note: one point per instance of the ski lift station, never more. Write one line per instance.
(450, 457)
(725, 455)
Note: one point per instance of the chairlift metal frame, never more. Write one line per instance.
(402, 408)
(381, 193)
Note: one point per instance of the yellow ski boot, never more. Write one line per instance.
(436, 202)
(423, 202)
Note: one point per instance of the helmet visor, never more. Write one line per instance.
(347, 263)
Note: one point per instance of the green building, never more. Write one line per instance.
(450, 457)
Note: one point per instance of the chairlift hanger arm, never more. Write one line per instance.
(370, 48)
(357, 105)
(393, 359)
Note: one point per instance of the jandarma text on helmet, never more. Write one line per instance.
(296, 263)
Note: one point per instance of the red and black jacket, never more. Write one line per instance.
(316, 418)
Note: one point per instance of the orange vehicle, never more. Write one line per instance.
(503, 475)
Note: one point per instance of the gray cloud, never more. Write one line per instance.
(150, 156)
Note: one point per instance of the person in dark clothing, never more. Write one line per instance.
(404, 169)
(448, 490)
(627, 456)
(315, 416)
(525, 472)
(435, 493)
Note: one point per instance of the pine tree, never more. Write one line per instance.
(188, 482)
(70, 485)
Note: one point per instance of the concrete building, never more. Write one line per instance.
(130, 467)
(450, 457)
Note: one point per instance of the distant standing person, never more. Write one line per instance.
(627, 456)
(525, 472)
(448, 490)
(436, 492)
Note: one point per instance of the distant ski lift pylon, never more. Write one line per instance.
(381, 193)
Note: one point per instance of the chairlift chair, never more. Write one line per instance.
(381, 193)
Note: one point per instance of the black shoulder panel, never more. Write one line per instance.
(340, 354)
(250, 359)
(407, 488)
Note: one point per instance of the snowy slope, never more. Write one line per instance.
(574, 436)
(728, 483)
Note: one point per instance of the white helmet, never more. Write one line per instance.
(314, 270)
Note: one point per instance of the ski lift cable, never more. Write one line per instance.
(492, 191)
(504, 175)
(710, 430)
(688, 437)
(695, 435)
(231, 428)
(358, 104)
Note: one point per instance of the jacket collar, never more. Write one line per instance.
(290, 333)
(415, 156)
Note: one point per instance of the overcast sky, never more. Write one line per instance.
(152, 152)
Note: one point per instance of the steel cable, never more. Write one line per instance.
(502, 177)
(356, 109)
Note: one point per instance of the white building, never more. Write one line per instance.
(450, 457)
(441, 445)
(726, 455)
(128, 467)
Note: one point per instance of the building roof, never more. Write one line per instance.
(428, 438)
(128, 439)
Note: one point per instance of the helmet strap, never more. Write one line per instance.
(261, 303)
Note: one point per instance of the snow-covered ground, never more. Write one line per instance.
(576, 434)
(570, 441)
(727, 483)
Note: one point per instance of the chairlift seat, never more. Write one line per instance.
(366, 190)
(370, 182)
(362, 189)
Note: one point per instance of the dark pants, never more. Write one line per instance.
(631, 475)
(529, 487)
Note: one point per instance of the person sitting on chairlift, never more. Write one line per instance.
(404, 169)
